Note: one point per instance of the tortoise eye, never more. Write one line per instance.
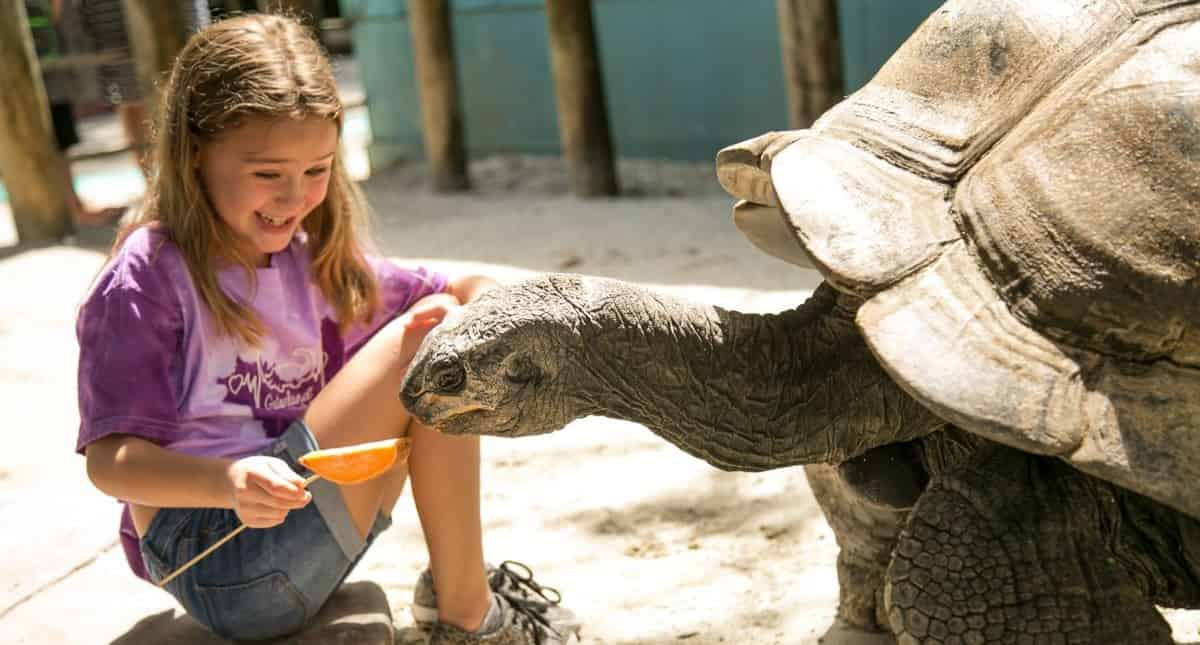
(448, 377)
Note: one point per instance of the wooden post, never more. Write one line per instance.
(812, 58)
(157, 32)
(579, 96)
(437, 80)
(29, 159)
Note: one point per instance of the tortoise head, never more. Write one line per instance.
(502, 366)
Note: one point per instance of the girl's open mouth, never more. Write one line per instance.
(273, 222)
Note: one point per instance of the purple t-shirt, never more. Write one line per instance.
(153, 364)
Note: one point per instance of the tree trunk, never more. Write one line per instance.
(157, 32)
(437, 80)
(812, 58)
(579, 94)
(29, 159)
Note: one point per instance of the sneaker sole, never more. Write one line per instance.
(425, 617)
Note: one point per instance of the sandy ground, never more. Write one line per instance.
(647, 544)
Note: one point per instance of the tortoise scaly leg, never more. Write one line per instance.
(1014, 548)
(865, 533)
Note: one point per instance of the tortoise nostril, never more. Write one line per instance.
(448, 377)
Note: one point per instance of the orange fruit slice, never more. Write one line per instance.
(357, 463)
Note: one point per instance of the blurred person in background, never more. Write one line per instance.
(57, 32)
(103, 22)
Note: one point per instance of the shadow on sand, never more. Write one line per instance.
(356, 613)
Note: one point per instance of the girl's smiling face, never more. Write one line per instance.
(265, 176)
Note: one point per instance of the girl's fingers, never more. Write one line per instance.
(272, 485)
(252, 499)
(249, 499)
(287, 476)
(261, 517)
(284, 497)
(419, 323)
(428, 318)
(266, 496)
(282, 482)
(258, 512)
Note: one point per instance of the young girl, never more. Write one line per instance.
(239, 325)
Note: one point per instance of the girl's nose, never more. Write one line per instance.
(290, 193)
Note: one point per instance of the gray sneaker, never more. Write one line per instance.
(511, 579)
(524, 623)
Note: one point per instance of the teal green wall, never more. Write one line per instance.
(871, 30)
(682, 77)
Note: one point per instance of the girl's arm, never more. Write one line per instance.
(260, 489)
(467, 288)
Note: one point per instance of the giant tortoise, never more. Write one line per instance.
(1005, 352)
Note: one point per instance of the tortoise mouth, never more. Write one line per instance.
(461, 421)
(438, 416)
(439, 410)
(474, 419)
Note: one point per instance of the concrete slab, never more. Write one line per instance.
(73, 527)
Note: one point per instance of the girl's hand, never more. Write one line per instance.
(429, 311)
(264, 489)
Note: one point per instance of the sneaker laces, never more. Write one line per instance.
(511, 577)
(530, 617)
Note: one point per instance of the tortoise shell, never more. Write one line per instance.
(1016, 194)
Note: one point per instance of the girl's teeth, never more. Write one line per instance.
(271, 220)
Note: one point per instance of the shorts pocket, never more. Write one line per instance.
(155, 567)
(265, 607)
(165, 547)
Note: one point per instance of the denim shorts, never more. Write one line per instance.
(264, 582)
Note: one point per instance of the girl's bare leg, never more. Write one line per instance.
(361, 404)
(445, 475)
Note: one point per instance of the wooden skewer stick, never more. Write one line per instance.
(232, 534)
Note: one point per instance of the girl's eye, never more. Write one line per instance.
(267, 175)
(317, 172)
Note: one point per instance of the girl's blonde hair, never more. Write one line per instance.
(256, 65)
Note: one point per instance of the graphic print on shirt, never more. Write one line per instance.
(277, 391)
